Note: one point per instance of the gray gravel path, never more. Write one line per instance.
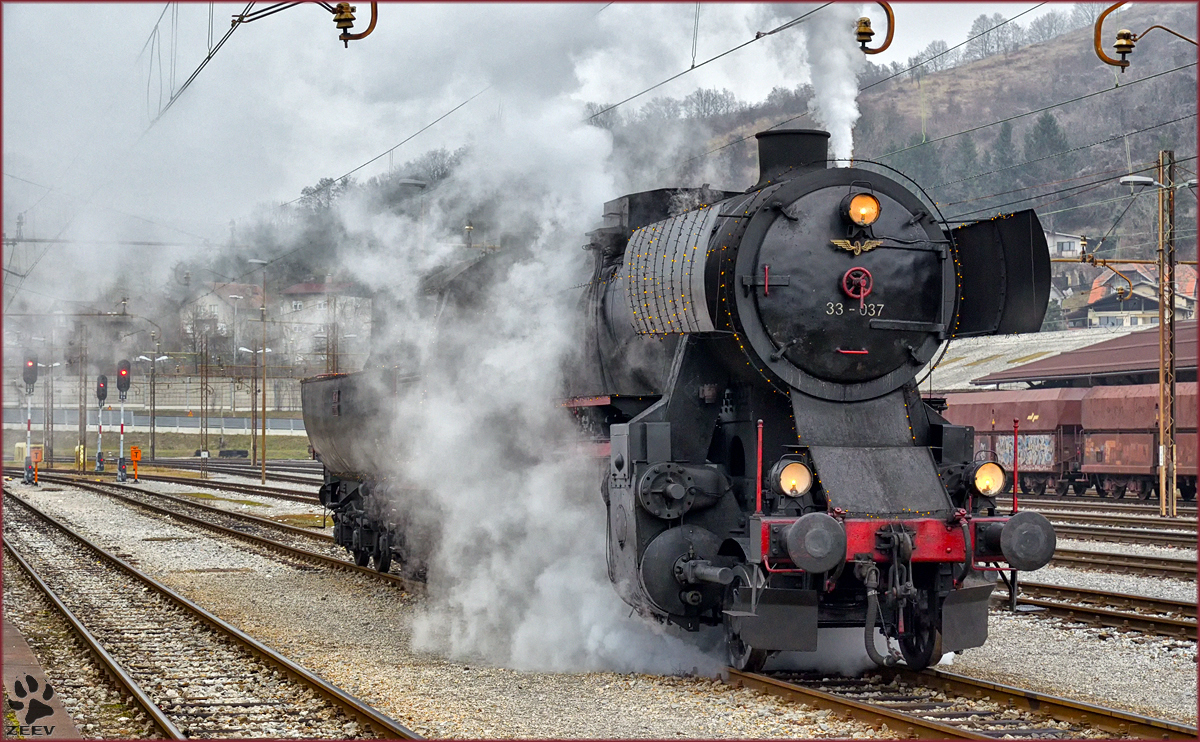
(1155, 676)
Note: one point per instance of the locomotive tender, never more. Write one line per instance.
(772, 466)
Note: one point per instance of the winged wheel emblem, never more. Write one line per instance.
(858, 248)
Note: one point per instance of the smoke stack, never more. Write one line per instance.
(784, 152)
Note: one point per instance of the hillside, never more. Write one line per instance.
(971, 175)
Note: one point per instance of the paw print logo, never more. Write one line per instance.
(37, 709)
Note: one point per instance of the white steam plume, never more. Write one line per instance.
(834, 61)
(517, 574)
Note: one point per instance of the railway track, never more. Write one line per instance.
(191, 672)
(934, 704)
(1160, 616)
(1180, 568)
(1125, 535)
(245, 489)
(1093, 504)
(293, 542)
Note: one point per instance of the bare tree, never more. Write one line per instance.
(1046, 27)
(661, 109)
(1085, 14)
(707, 102)
(598, 116)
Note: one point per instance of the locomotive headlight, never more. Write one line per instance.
(988, 478)
(791, 478)
(863, 209)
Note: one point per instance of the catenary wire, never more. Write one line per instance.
(865, 87)
(727, 52)
(1064, 152)
(939, 54)
(386, 152)
(1039, 110)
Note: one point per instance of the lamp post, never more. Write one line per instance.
(1167, 492)
(153, 389)
(263, 316)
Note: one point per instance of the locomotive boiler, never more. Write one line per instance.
(751, 359)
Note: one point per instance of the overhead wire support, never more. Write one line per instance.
(212, 53)
(865, 87)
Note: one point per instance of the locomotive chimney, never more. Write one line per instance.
(782, 152)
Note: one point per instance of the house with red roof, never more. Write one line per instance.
(1128, 297)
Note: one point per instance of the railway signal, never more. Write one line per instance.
(123, 378)
(122, 391)
(29, 374)
(101, 395)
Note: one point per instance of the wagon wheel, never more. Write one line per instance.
(741, 655)
(1079, 488)
(1119, 490)
(1061, 487)
(1039, 487)
(1145, 490)
(1025, 485)
(1188, 491)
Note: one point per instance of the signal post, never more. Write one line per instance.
(101, 395)
(29, 374)
(122, 391)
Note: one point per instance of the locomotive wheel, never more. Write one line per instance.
(923, 646)
(922, 650)
(383, 561)
(362, 557)
(741, 655)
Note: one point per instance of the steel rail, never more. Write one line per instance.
(381, 724)
(1099, 504)
(404, 583)
(912, 724)
(246, 489)
(1051, 597)
(1126, 535)
(1123, 520)
(266, 522)
(1149, 566)
(902, 724)
(114, 668)
(1111, 720)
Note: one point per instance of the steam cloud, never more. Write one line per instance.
(517, 574)
(834, 63)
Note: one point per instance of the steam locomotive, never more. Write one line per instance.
(748, 372)
(751, 359)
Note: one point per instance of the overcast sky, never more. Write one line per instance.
(283, 104)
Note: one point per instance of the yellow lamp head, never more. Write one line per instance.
(988, 478)
(863, 209)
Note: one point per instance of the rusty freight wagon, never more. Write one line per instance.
(1049, 438)
(1120, 439)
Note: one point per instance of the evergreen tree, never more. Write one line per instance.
(964, 162)
(1044, 139)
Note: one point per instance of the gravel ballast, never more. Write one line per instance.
(355, 633)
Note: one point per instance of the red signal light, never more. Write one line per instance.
(29, 363)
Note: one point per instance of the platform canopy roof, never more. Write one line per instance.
(968, 359)
(1128, 359)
